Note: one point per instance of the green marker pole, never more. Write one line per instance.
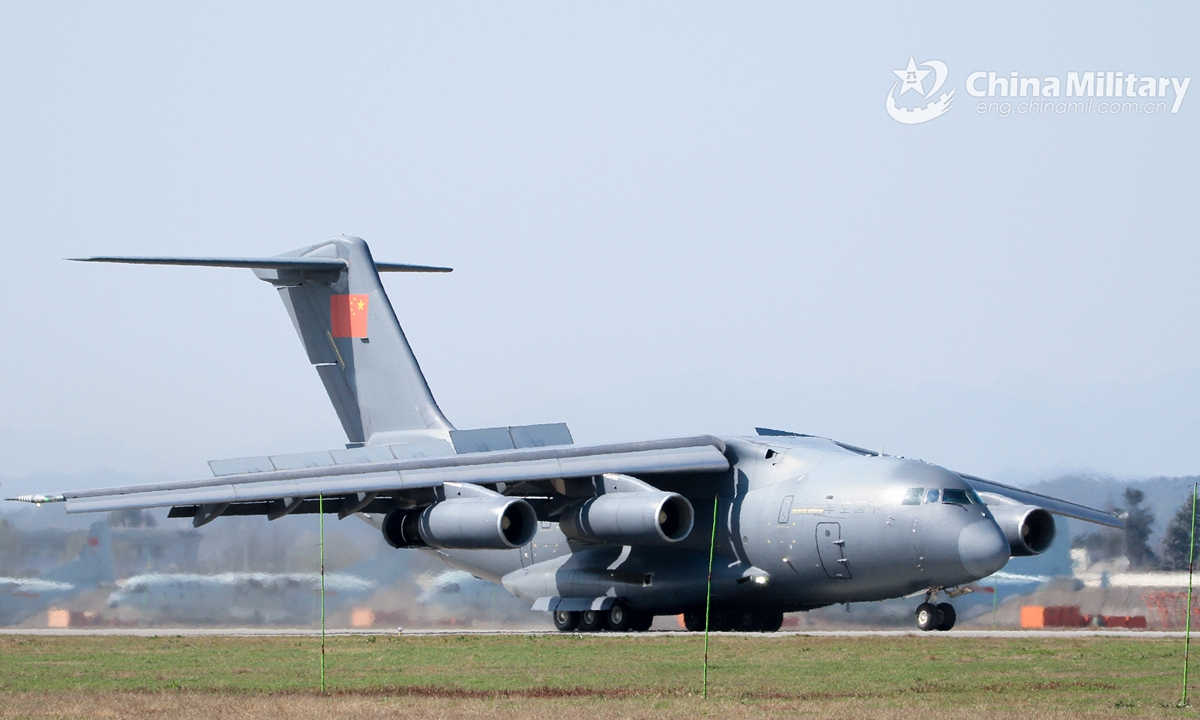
(1187, 633)
(712, 545)
(321, 525)
(995, 600)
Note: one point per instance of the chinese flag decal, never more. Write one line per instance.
(349, 315)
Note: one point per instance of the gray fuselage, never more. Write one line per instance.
(801, 522)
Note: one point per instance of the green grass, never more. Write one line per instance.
(1084, 674)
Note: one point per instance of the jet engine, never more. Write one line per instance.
(1029, 529)
(629, 518)
(469, 523)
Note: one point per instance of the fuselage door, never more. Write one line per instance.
(785, 509)
(831, 550)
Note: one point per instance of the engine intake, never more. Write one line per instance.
(630, 518)
(1030, 530)
(470, 523)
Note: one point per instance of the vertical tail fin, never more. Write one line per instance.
(94, 564)
(352, 337)
(346, 323)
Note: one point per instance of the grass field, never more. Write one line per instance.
(565, 676)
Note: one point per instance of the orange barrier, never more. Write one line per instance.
(1036, 616)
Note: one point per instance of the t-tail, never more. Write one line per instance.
(337, 303)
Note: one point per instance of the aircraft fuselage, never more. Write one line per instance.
(800, 523)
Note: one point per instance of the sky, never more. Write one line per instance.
(664, 219)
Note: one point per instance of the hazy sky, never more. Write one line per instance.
(663, 219)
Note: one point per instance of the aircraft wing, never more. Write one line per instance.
(1052, 504)
(359, 479)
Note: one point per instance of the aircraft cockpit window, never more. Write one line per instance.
(956, 496)
(932, 495)
(975, 497)
(913, 496)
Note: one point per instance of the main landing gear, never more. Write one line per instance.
(935, 617)
(619, 618)
(622, 618)
(741, 620)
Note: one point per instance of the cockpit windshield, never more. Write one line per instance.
(954, 496)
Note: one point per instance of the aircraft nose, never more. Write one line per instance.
(982, 548)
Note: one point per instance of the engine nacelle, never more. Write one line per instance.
(1029, 529)
(470, 523)
(630, 518)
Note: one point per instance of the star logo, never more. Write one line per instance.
(912, 78)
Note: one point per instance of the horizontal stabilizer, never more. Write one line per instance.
(311, 264)
(401, 267)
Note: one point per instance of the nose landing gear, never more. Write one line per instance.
(935, 617)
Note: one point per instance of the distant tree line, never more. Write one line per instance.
(1134, 541)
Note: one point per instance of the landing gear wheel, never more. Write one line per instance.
(928, 617)
(592, 621)
(771, 622)
(946, 610)
(693, 620)
(620, 618)
(566, 620)
(642, 622)
(746, 620)
(720, 620)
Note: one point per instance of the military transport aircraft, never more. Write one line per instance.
(22, 597)
(600, 536)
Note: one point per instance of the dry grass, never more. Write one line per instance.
(232, 706)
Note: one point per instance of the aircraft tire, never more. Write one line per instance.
(592, 621)
(566, 620)
(720, 620)
(771, 621)
(643, 622)
(693, 620)
(946, 611)
(928, 617)
(747, 620)
(620, 618)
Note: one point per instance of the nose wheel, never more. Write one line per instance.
(935, 617)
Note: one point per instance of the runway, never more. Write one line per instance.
(305, 632)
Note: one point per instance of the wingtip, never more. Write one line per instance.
(37, 499)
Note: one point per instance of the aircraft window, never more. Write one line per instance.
(975, 497)
(913, 496)
(931, 495)
(956, 496)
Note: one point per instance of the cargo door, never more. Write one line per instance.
(831, 550)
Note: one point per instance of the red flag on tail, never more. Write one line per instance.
(348, 315)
